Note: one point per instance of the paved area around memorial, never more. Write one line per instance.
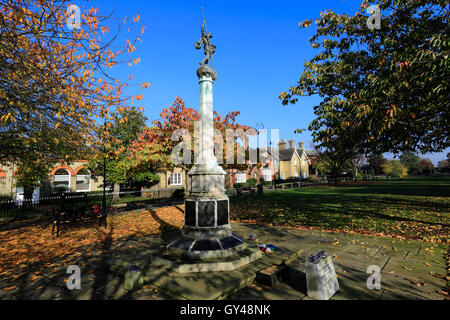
(409, 270)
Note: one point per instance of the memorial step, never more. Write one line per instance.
(272, 275)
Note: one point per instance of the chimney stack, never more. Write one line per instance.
(282, 144)
(301, 145)
(291, 144)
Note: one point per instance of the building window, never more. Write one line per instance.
(241, 178)
(304, 163)
(267, 173)
(296, 174)
(61, 179)
(83, 180)
(295, 162)
(175, 179)
(282, 176)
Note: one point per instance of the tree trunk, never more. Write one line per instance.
(27, 199)
(335, 174)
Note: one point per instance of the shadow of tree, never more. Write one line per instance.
(101, 271)
(168, 231)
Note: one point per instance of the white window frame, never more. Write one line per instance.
(241, 177)
(61, 175)
(90, 182)
(304, 163)
(176, 179)
(267, 174)
(295, 162)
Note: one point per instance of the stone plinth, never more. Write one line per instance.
(321, 279)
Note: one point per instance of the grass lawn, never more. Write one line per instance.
(412, 209)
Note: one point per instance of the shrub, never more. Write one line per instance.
(251, 182)
(230, 191)
(312, 178)
(241, 185)
(4, 198)
(60, 189)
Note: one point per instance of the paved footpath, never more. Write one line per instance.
(409, 269)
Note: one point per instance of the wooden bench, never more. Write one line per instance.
(76, 217)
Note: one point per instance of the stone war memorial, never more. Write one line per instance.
(207, 231)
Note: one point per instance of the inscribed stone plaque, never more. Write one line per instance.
(189, 213)
(222, 212)
(321, 279)
(205, 245)
(206, 215)
(229, 242)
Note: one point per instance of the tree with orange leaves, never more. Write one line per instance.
(54, 80)
(153, 148)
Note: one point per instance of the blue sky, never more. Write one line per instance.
(260, 53)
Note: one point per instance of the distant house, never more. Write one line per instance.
(293, 162)
(266, 172)
(443, 164)
(312, 159)
(75, 177)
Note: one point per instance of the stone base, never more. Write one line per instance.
(207, 231)
(235, 260)
(207, 248)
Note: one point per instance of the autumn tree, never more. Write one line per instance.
(387, 88)
(375, 162)
(54, 80)
(426, 166)
(394, 168)
(154, 146)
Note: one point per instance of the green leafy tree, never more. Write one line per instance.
(411, 161)
(333, 160)
(31, 173)
(388, 87)
(125, 126)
